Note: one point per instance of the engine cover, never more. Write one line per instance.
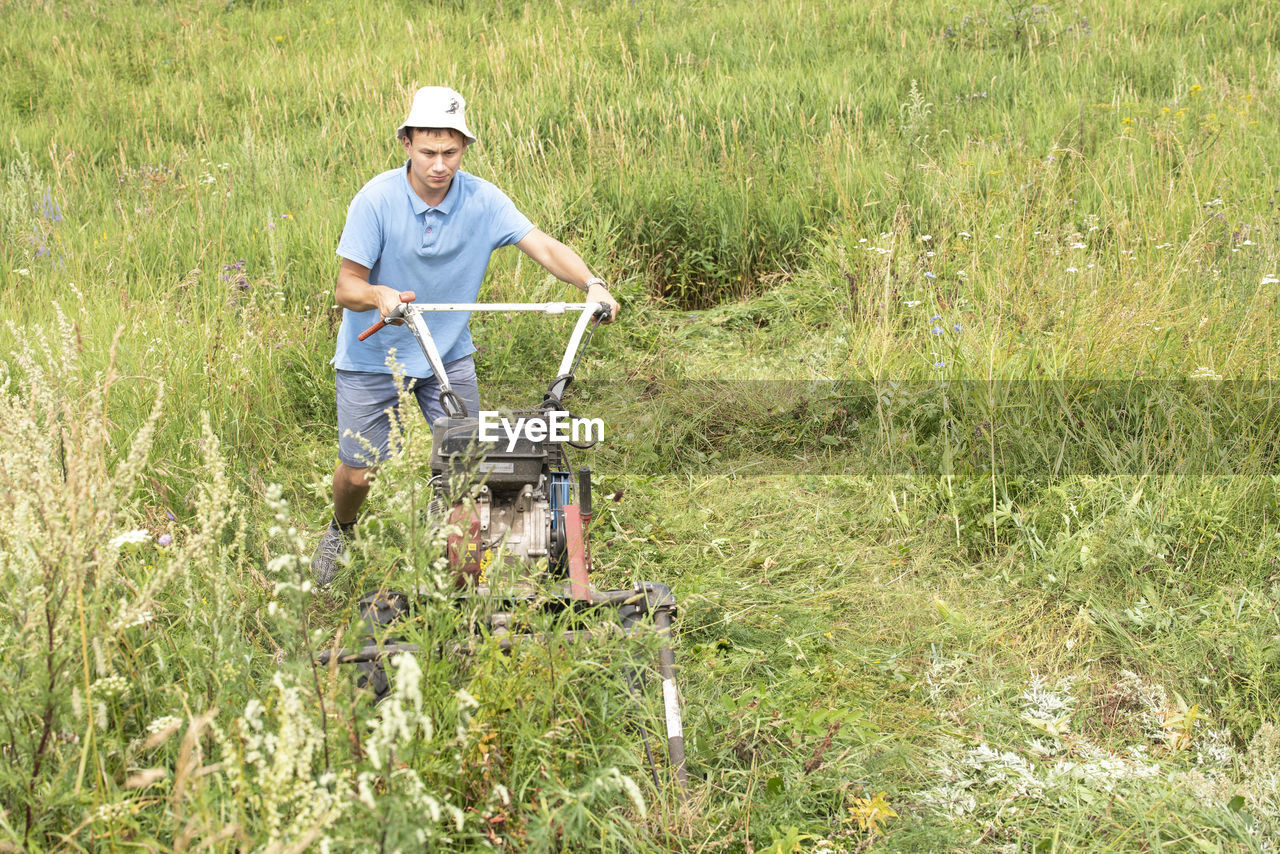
(503, 466)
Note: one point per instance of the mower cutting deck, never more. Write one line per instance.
(516, 507)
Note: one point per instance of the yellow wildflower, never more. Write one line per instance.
(869, 813)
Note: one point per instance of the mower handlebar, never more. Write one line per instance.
(398, 313)
(412, 314)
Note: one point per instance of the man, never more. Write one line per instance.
(421, 232)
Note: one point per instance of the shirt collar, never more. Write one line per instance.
(421, 207)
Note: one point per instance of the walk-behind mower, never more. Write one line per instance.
(517, 512)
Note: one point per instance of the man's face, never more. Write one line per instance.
(433, 159)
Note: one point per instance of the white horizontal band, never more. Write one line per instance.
(544, 307)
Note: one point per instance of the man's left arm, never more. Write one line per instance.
(567, 266)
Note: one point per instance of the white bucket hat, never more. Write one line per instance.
(438, 107)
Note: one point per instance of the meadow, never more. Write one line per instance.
(943, 398)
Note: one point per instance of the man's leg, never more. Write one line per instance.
(363, 441)
(350, 488)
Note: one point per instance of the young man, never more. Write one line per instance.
(422, 232)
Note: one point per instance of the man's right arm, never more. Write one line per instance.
(354, 292)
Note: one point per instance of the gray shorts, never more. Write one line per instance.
(365, 401)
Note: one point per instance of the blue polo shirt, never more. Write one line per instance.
(440, 253)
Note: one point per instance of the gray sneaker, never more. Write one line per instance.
(328, 556)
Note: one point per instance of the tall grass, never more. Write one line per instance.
(942, 400)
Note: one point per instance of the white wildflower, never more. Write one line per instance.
(613, 780)
(110, 687)
(129, 538)
(1204, 372)
(130, 615)
(111, 812)
(400, 717)
(283, 564)
(409, 680)
(364, 789)
(163, 723)
(633, 792)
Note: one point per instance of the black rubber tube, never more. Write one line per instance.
(584, 491)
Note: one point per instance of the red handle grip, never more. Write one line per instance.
(395, 314)
(371, 330)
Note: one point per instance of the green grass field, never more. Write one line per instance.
(943, 398)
